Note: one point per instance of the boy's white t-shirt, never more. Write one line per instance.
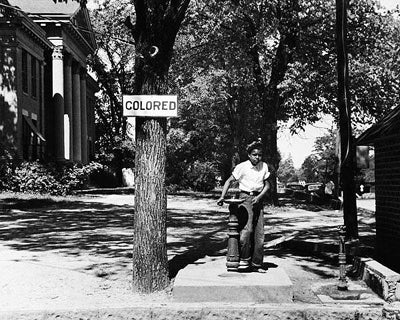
(251, 178)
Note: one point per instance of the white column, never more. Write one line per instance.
(58, 100)
(84, 118)
(68, 107)
(42, 113)
(41, 99)
(76, 111)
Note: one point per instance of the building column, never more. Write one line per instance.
(58, 100)
(76, 113)
(91, 125)
(42, 116)
(14, 120)
(68, 106)
(84, 118)
(41, 99)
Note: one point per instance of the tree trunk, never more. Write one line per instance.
(271, 156)
(150, 262)
(155, 29)
(150, 266)
(271, 104)
(347, 171)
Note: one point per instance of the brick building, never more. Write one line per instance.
(46, 95)
(385, 137)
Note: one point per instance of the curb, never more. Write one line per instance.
(207, 311)
(119, 190)
(382, 280)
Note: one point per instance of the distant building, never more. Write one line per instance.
(385, 137)
(46, 95)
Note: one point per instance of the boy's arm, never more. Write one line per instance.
(225, 189)
(263, 192)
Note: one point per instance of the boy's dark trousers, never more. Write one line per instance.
(251, 231)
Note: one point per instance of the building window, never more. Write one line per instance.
(24, 71)
(33, 143)
(34, 77)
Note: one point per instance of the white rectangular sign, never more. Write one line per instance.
(150, 105)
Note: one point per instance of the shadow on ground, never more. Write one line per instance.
(73, 227)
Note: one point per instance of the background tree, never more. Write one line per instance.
(321, 165)
(309, 88)
(113, 65)
(212, 77)
(237, 40)
(325, 149)
(309, 170)
(286, 52)
(287, 172)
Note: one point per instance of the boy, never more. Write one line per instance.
(252, 176)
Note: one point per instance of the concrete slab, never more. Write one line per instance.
(207, 280)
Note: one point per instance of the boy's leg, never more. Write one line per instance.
(245, 218)
(258, 252)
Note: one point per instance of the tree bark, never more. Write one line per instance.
(150, 265)
(157, 23)
(271, 104)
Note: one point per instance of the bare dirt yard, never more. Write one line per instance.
(75, 252)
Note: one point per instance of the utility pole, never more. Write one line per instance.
(347, 151)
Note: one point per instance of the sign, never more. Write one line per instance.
(150, 105)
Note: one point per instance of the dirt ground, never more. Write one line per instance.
(76, 252)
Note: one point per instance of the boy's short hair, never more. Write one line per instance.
(254, 145)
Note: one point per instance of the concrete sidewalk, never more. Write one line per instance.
(72, 259)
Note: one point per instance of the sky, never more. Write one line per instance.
(300, 145)
(390, 4)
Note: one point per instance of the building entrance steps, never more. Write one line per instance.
(207, 280)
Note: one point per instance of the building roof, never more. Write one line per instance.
(21, 20)
(388, 125)
(47, 7)
(73, 13)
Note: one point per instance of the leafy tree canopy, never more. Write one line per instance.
(113, 64)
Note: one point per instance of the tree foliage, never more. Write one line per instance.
(321, 165)
(287, 172)
(309, 88)
(113, 66)
(245, 66)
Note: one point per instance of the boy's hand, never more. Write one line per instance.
(220, 201)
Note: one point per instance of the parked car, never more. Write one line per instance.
(316, 192)
(295, 186)
(316, 187)
(297, 190)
